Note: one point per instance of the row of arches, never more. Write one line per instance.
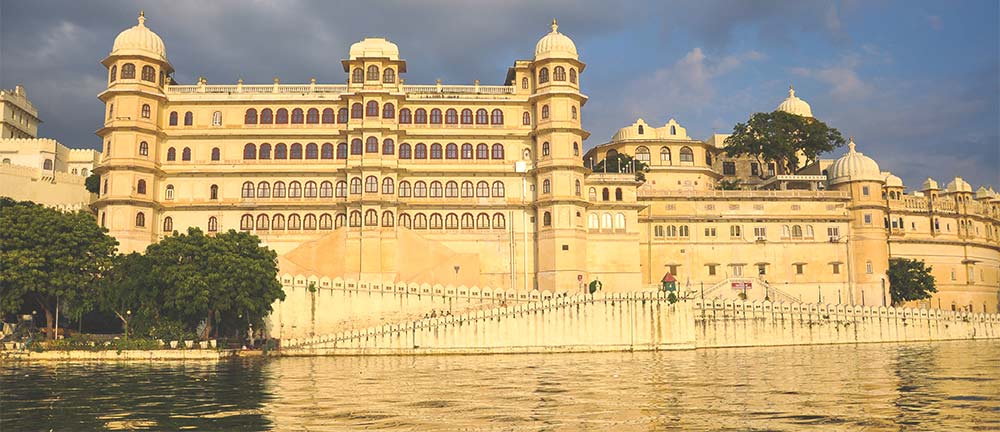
(370, 218)
(359, 76)
(280, 151)
(642, 153)
(370, 185)
(558, 74)
(128, 72)
(466, 116)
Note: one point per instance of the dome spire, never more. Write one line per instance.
(142, 18)
(851, 145)
(791, 91)
(555, 26)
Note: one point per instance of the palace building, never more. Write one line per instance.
(489, 185)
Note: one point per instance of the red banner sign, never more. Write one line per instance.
(742, 285)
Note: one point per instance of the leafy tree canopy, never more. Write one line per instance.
(782, 138)
(93, 183)
(909, 280)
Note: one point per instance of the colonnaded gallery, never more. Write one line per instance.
(488, 185)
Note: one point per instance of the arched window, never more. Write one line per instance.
(620, 224)
(266, 116)
(618, 194)
(168, 224)
(642, 154)
(371, 145)
(420, 151)
(248, 190)
(673, 130)
(372, 73)
(436, 151)
(388, 111)
(140, 186)
(249, 151)
(420, 189)
(545, 112)
(572, 111)
(326, 190)
(357, 76)
(810, 233)
(388, 146)
(436, 190)
(605, 194)
(467, 189)
(451, 189)
(326, 152)
(213, 192)
(171, 154)
(482, 151)
(387, 218)
(143, 151)
(559, 73)
(145, 111)
(281, 116)
(547, 219)
(664, 155)
(310, 189)
(524, 83)
(420, 116)
(357, 111)
(499, 222)
(280, 151)
(356, 186)
(405, 117)
(572, 75)
(325, 221)
(435, 116)
(388, 186)
(294, 222)
(263, 190)
(341, 189)
(148, 73)
(796, 231)
(404, 189)
(389, 76)
(371, 184)
(419, 221)
(578, 190)
(342, 115)
(545, 148)
(496, 117)
(404, 151)
(498, 152)
(263, 222)
(216, 154)
(594, 221)
(483, 189)
(451, 221)
(114, 73)
(312, 116)
(606, 223)
(213, 224)
(309, 221)
(466, 151)
(466, 116)
(576, 149)
(686, 154)
(451, 151)
(526, 119)
(468, 221)
(371, 109)
(128, 71)
(450, 116)
(173, 118)
(188, 118)
(482, 116)
(543, 76)
(186, 154)
(546, 186)
(328, 116)
(405, 220)
(295, 151)
(483, 221)
(356, 148)
(498, 189)
(342, 151)
(277, 222)
(312, 151)
(295, 190)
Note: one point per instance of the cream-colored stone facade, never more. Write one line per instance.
(487, 185)
(46, 172)
(18, 116)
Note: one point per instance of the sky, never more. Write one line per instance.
(916, 83)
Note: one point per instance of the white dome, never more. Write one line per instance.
(958, 185)
(140, 40)
(929, 184)
(891, 180)
(983, 193)
(375, 47)
(794, 105)
(640, 130)
(853, 166)
(555, 45)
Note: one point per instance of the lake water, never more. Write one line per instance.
(919, 386)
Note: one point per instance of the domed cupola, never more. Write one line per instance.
(854, 166)
(794, 105)
(374, 48)
(555, 45)
(141, 41)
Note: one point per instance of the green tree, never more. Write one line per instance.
(129, 291)
(727, 184)
(623, 163)
(93, 183)
(782, 138)
(909, 280)
(49, 257)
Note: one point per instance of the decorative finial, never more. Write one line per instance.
(851, 145)
(555, 26)
(791, 91)
(142, 18)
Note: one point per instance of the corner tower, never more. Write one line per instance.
(559, 173)
(129, 162)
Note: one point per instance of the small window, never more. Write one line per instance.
(128, 71)
(729, 168)
(389, 76)
(148, 73)
(217, 118)
(186, 154)
(357, 76)
(547, 219)
(451, 116)
(526, 119)
(543, 75)
(140, 220)
(524, 81)
(188, 118)
(371, 109)
(143, 149)
(173, 118)
(545, 112)
(372, 73)
(545, 148)
(145, 111)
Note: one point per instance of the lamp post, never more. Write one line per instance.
(128, 315)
